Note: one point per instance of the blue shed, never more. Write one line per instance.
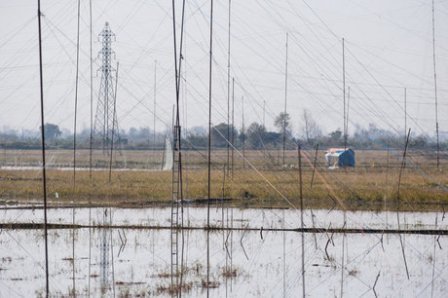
(340, 158)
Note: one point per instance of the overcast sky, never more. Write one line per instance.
(388, 48)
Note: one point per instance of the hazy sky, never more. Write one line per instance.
(388, 48)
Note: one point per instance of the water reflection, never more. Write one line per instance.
(260, 264)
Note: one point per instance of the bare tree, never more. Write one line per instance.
(311, 129)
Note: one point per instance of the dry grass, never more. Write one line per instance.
(229, 273)
(210, 284)
(174, 289)
(371, 185)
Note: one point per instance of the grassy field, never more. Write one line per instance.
(259, 180)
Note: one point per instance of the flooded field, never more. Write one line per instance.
(242, 263)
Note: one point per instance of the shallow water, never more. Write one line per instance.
(253, 218)
(268, 266)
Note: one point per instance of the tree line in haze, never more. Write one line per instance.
(255, 136)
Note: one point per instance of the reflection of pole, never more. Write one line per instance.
(434, 261)
(112, 254)
(104, 258)
(301, 219)
(343, 254)
(208, 261)
(231, 247)
(343, 258)
(284, 256)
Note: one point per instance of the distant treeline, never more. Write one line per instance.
(255, 137)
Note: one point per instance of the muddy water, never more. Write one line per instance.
(268, 264)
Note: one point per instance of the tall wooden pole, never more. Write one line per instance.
(209, 156)
(233, 122)
(286, 99)
(435, 81)
(44, 173)
(343, 92)
(405, 116)
(228, 91)
(209, 145)
(155, 106)
(243, 131)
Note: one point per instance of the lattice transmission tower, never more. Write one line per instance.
(106, 124)
(105, 136)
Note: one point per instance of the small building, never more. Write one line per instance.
(340, 158)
